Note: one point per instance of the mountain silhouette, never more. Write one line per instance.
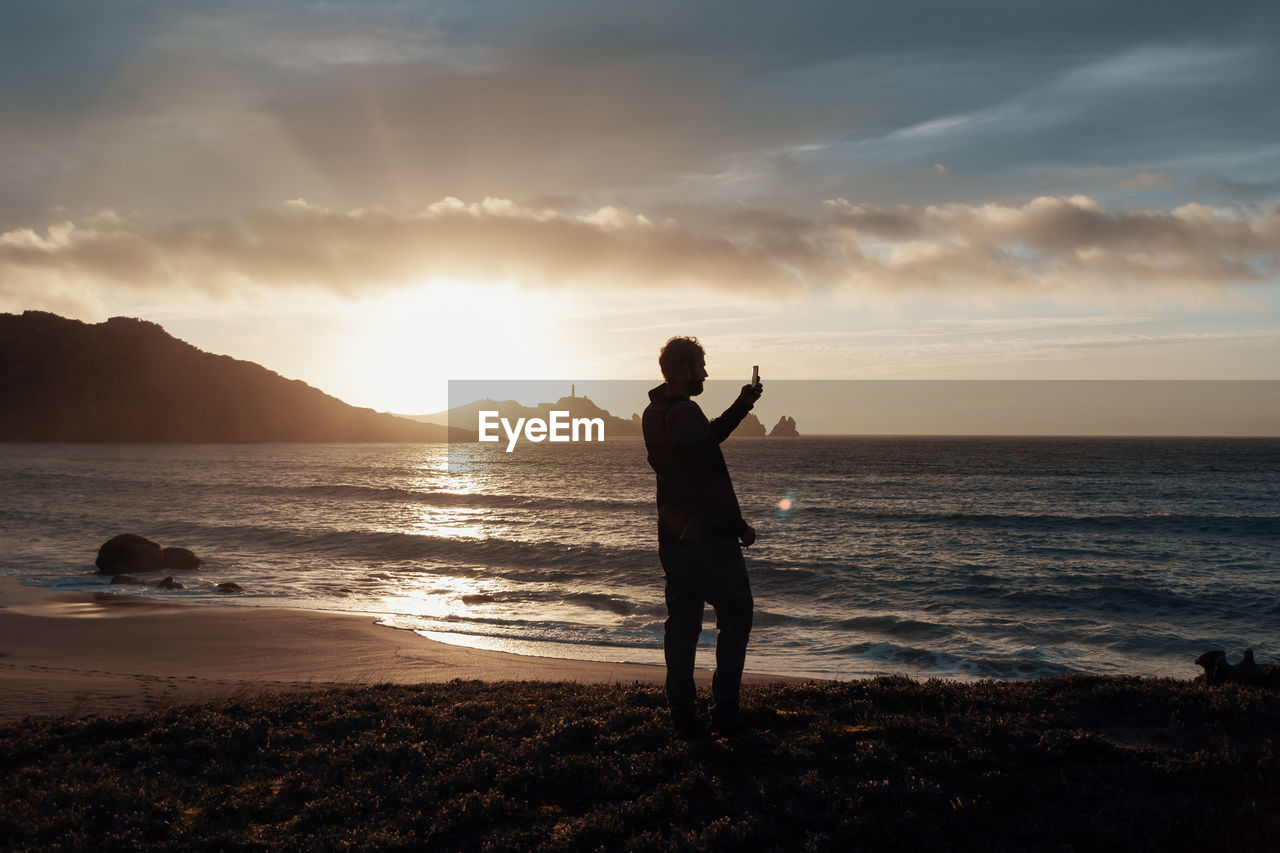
(130, 380)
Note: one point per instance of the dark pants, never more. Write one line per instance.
(714, 574)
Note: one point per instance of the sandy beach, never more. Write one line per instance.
(98, 653)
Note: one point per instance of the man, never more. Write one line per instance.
(701, 534)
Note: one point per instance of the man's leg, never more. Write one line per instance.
(680, 636)
(734, 607)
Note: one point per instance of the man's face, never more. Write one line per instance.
(695, 372)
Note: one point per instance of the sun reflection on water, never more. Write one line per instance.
(448, 522)
(434, 596)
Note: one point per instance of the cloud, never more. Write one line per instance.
(1046, 248)
(1057, 245)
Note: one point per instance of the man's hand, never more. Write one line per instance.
(747, 537)
(751, 393)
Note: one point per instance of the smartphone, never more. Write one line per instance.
(755, 374)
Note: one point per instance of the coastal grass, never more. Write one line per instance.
(1067, 763)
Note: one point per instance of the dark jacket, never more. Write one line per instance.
(696, 502)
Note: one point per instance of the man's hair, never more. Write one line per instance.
(678, 351)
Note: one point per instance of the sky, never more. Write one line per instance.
(378, 197)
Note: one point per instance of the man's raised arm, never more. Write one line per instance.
(722, 426)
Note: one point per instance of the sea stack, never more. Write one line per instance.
(785, 428)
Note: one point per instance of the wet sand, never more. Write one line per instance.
(97, 653)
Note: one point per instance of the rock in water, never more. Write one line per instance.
(785, 427)
(229, 587)
(179, 558)
(115, 579)
(750, 426)
(128, 552)
(169, 583)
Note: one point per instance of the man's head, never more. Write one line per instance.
(684, 365)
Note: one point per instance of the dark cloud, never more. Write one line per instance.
(1243, 190)
(172, 108)
(58, 55)
(807, 32)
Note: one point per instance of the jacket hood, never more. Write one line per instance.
(662, 392)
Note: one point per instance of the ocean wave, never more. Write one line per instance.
(894, 626)
(590, 600)
(768, 619)
(353, 492)
(1265, 526)
(1132, 602)
(526, 630)
(934, 662)
(550, 561)
(480, 500)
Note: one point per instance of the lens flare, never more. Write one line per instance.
(784, 504)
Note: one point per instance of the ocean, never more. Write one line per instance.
(959, 558)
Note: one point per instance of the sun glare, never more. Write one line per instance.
(413, 342)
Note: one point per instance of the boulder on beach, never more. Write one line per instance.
(169, 583)
(1215, 666)
(128, 552)
(1218, 671)
(1247, 671)
(229, 587)
(180, 559)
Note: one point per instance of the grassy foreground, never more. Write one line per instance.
(1066, 763)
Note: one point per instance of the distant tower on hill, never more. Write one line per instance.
(573, 389)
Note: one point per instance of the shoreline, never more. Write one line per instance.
(73, 653)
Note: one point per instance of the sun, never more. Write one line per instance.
(414, 341)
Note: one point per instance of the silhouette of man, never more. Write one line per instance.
(701, 534)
